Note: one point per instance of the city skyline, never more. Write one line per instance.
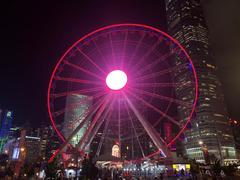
(29, 63)
(210, 125)
(120, 89)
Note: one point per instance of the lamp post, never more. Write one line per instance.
(200, 143)
(205, 151)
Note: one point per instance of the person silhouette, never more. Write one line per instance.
(182, 172)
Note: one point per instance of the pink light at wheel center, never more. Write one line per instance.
(116, 79)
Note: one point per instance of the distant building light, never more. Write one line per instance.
(9, 114)
(210, 66)
(31, 137)
(218, 115)
(116, 151)
(200, 142)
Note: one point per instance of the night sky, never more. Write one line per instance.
(35, 34)
(223, 19)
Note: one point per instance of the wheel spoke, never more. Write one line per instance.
(153, 134)
(169, 99)
(100, 52)
(103, 134)
(124, 49)
(162, 72)
(151, 155)
(54, 155)
(82, 123)
(83, 70)
(150, 50)
(82, 91)
(156, 109)
(94, 121)
(76, 105)
(76, 80)
(112, 49)
(89, 59)
(95, 129)
(136, 49)
(160, 84)
(134, 129)
(119, 125)
(157, 61)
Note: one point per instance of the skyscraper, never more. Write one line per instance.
(209, 131)
(75, 111)
(6, 118)
(33, 148)
(236, 133)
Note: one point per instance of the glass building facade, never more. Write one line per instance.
(33, 148)
(209, 135)
(6, 118)
(75, 111)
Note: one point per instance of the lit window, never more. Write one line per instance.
(116, 151)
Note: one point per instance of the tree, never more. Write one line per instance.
(89, 170)
(212, 158)
(230, 169)
(217, 167)
(51, 169)
(194, 168)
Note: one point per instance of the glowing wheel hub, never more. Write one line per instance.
(116, 80)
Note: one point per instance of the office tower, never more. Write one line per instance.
(33, 150)
(14, 132)
(209, 132)
(6, 118)
(49, 141)
(45, 136)
(75, 111)
(236, 134)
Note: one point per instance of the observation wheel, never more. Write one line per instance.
(118, 91)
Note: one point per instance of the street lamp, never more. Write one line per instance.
(200, 142)
(205, 151)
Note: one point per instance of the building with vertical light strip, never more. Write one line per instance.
(6, 118)
(76, 106)
(209, 128)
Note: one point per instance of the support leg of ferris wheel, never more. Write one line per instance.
(76, 130)
(103, 136)
(61, 149)
(153, 134)
(92, 125)
(93, 132)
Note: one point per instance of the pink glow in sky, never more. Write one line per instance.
(116, 79)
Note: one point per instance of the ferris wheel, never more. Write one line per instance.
(123, 85)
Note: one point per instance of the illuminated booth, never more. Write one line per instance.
(179, 167)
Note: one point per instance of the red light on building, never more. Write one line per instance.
(168, 131)
(233, 122)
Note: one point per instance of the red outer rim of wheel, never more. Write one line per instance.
(119, 25)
